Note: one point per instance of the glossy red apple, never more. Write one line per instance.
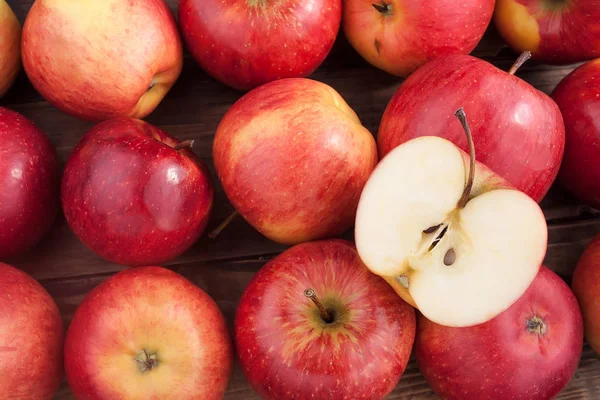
(578, 97)
(135, 195)
(398, 36)
(518, 131)
(555, 31)
(586, 285)
(530, 351)
(293, 159)
(102, 59)
(29, 184)
(314, 323)
(148, 333)
(31, 338)
(246, 43)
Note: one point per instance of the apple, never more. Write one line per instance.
(247, 43)
(102, 59)
(518, 131)
(398, 36)
(314, 323)
(10, 47)
(555, 31)
(30, 182)
(578, 97)
(135, 195)
(148, 333)
(586, 285)
(530, 351)
(451, 237)
(293, 159)
(31, 338)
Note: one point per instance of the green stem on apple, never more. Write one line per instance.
(462, 117)
(217, 231)
(526, 55)
(186, 144)
(146, 362)
(385, 9)
(325, 314)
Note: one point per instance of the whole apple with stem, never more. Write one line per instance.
(102, 59)
(134, 194)
(555, 31)
(31, 339)
(10, 47)
(29, 184)
(293, 158)
(148, 333)
(530, 351)
(452, 238)
(518, 131)
(314, 323)
(247, 43)
(398, 36)
(578, 97)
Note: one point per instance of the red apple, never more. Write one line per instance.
(555, 31)
(134, 194)
(29, 178)
(518, 131)
(246, 43)
(102, 59)
(398, 36)
(148, 333)
(578, 97)
(293, 159)
(31, 339)
(10, 47)
(530, 351)
(352, 341)
(586, 285)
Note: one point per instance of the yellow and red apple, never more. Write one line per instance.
(10, 47)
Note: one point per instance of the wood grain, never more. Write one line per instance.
(223, 267)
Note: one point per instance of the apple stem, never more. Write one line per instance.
(526, 55)
(462, 117)
(186, 144)
(385, 9)
(325, 314)
(217, 231)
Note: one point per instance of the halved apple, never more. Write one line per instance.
(450, 236)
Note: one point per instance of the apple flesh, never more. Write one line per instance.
(357, 346)
(398, 36)
(30, 182)
(530, 351)
(135, 195)
(503, 111)
(148, 333)
(247, 43)
(578, 97)
(101, 59)
(446, 232)
(10, 47)
(31, 343)
(293, 159)
(555, 31)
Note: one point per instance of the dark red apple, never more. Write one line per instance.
(314, 323)
(31, 338)
(530, 351)
(518, 131)
(578, 96)
(148, 333)
(246, 43)
(134, 194)
(29, 184)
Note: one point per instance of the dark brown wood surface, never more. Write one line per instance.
(223, 267)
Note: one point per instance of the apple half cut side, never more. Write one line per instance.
(449, 235)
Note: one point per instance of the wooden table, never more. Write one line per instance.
(223, 267)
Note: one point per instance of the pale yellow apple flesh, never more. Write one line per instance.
(460, 266)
